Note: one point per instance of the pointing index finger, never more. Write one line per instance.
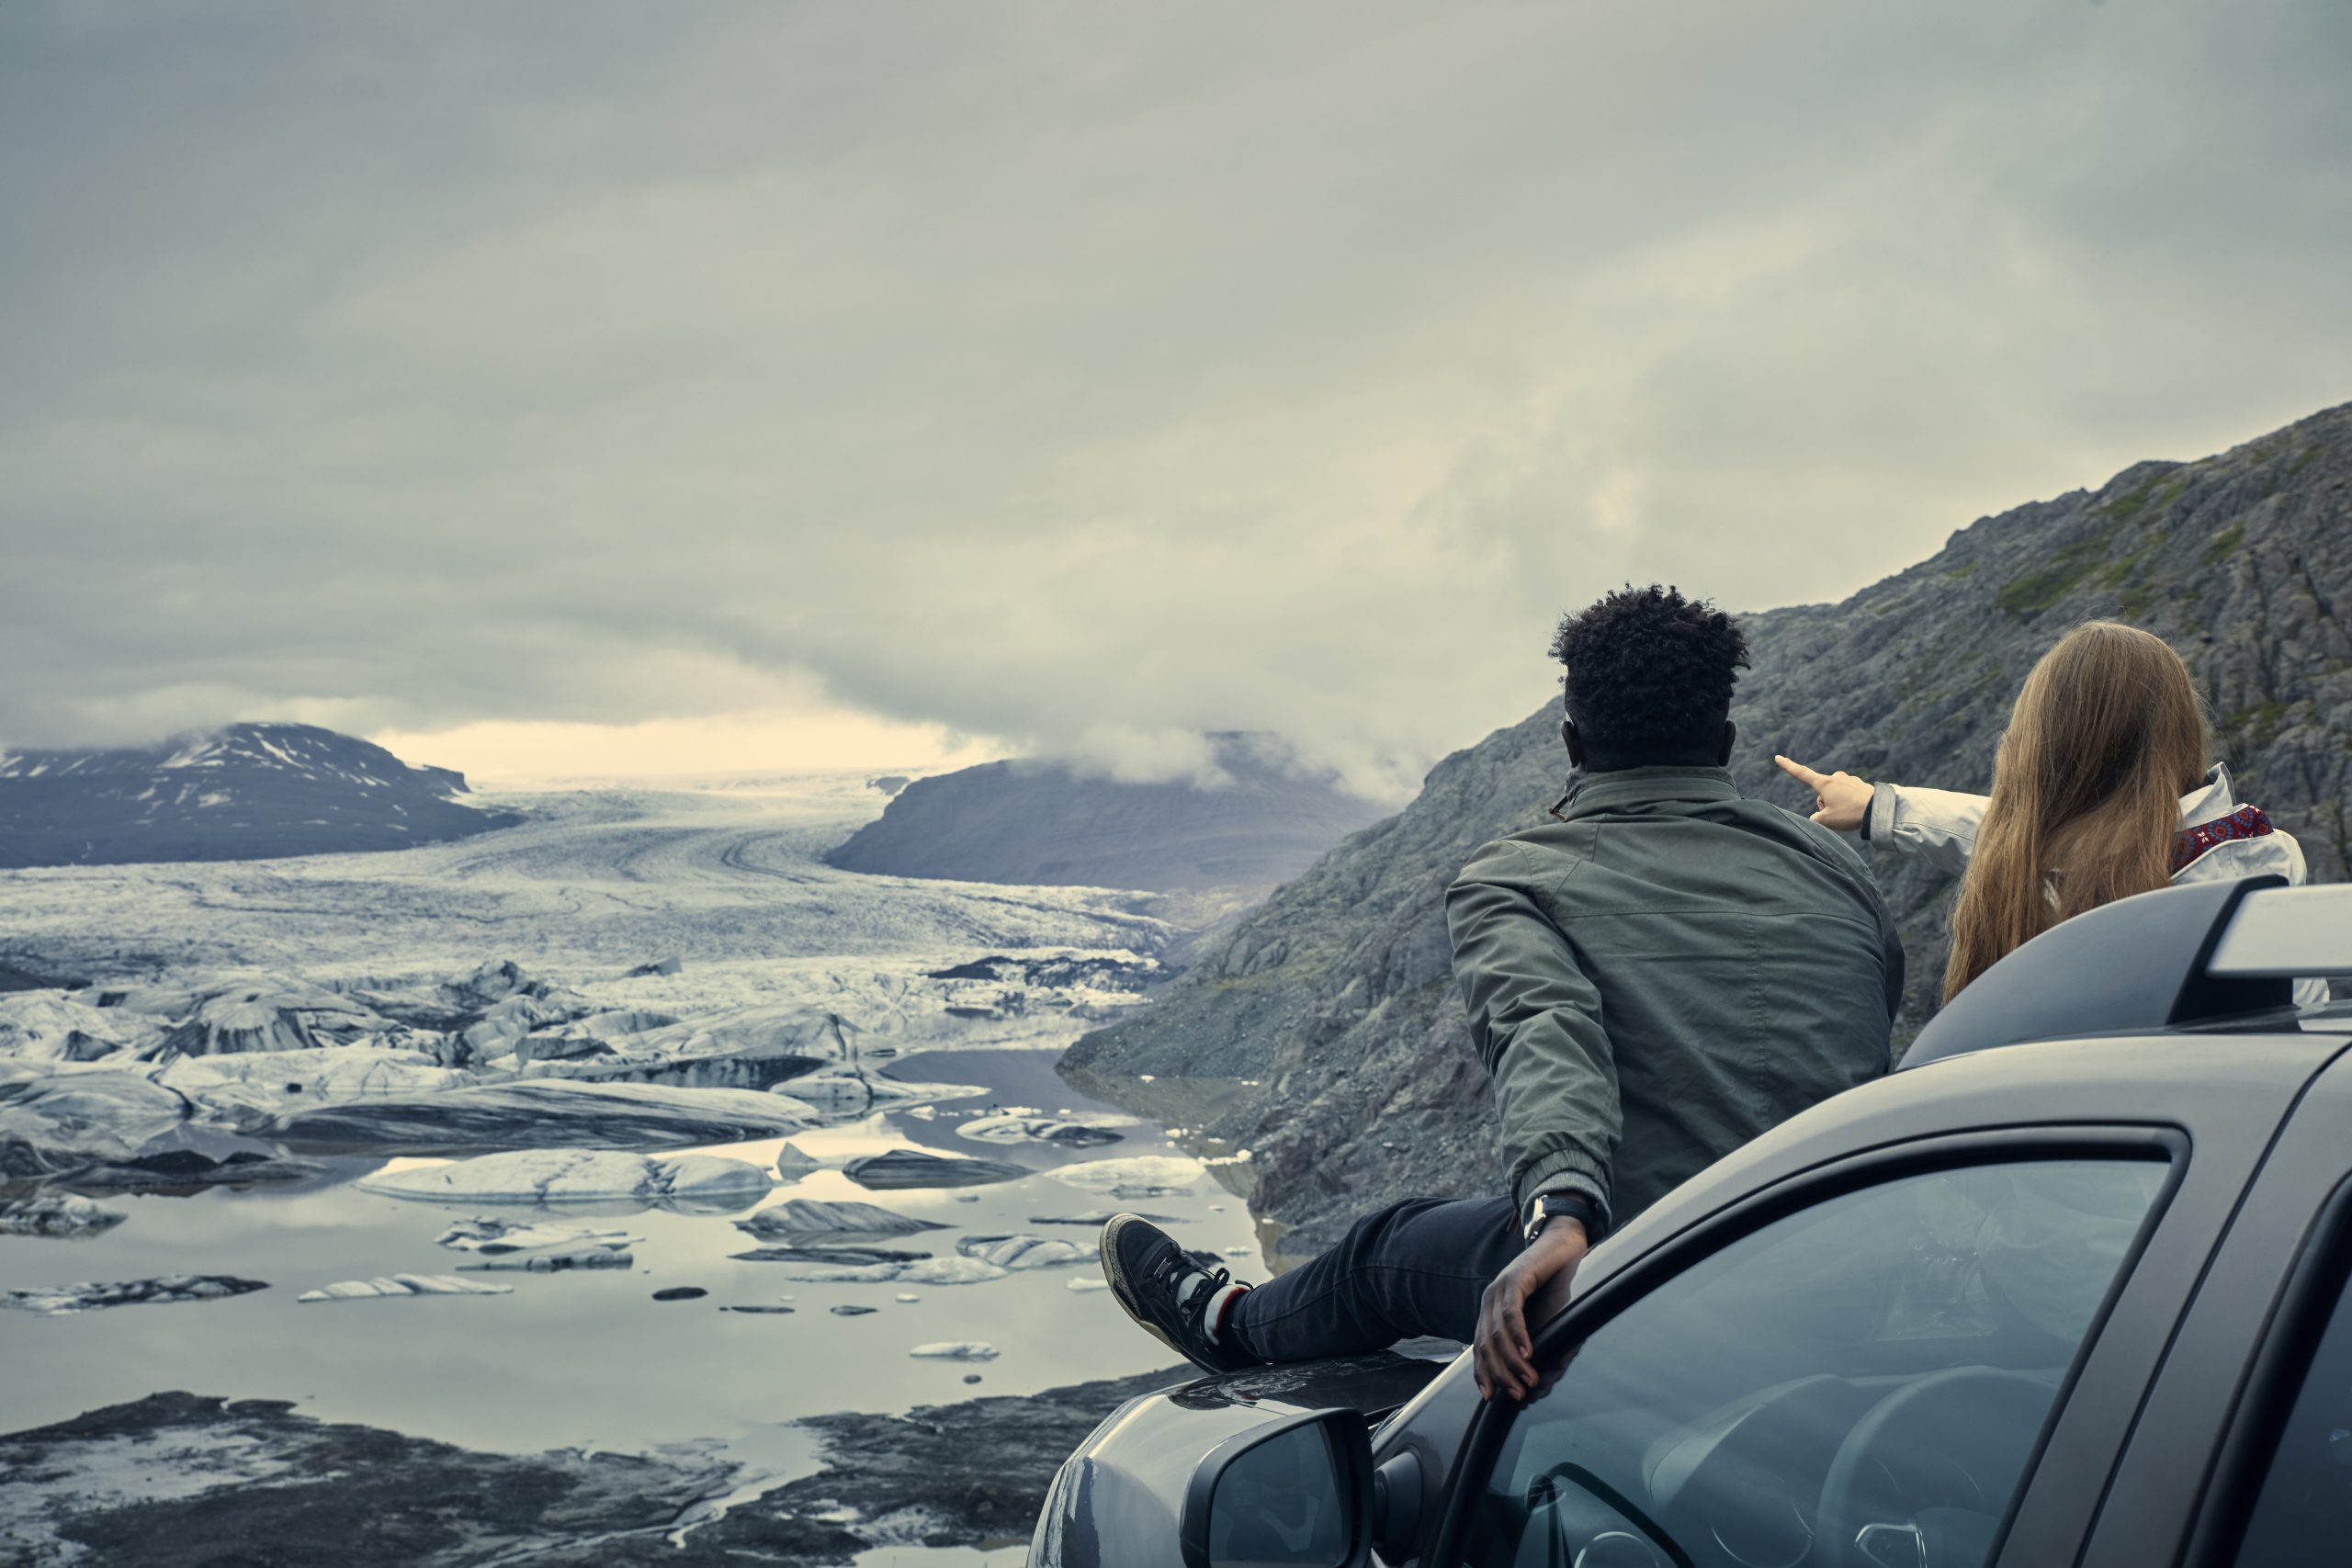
(1801, 774)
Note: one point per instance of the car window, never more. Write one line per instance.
(2303, 1511)
(1857, 1385)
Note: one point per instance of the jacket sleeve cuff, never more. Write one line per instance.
(1878, 822)
(1563, 1171)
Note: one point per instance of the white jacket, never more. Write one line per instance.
(2219, 839)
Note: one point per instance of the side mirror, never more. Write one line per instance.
(1292, 1494)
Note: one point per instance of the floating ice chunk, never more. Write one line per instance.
(898, 1168)
(1081, 1283)
(549, 1113)
(812, 1268)
(846, 1091)
(528, 1176)
(809, 1220)
(554, 1262)
(840, 1273)
(494, 1237)
(58, 1300)
(390, 1285)
(714, 1179)
(88, 1113)
(907, 1297)
(575, 1175)
(1023, 1251)
(849, 1257)
(57, 1214)
(1138, 1176)
(191, 1154)
(792, 1163)
(1067, 1132)
(955, 1351)
(949, 1271)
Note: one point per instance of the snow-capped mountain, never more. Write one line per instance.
(249, 791)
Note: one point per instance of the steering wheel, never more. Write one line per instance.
(1889, 1498)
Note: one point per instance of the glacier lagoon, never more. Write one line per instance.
(949, 1001)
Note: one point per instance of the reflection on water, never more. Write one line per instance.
(588, 1360)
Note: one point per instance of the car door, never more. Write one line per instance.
(2238, 1452)
(1862, 1368)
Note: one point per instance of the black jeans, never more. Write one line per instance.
(1414, 1268)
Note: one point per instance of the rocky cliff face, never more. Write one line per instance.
(1035, 821)
(252, 792)
(1336, 996)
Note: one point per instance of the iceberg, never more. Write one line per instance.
(904, 1168)
(546, 1112)
(1077, 1130)
(402, 1285)
(57, 1214)
(1018, 1252)
(167, 1289)
(579, 1175)
(1140, 1176)
(494, 1237)
(808, 1219)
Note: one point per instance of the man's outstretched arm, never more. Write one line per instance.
(1536, 1019)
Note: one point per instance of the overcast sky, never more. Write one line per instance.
(562, 387)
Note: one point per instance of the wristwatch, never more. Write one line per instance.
(1561, 1206)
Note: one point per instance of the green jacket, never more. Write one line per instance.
(1662, 977)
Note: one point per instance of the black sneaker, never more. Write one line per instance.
(1168, 1290)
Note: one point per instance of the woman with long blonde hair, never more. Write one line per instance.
(2103, 787)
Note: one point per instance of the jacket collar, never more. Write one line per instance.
(1589, 793)
(2210, 801)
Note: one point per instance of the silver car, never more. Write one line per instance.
(2069, 1288)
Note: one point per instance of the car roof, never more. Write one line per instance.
(2171, 959)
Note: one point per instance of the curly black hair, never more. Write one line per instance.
(1649, 675)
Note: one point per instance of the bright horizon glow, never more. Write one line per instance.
(507, 754)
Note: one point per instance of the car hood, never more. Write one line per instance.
(1115, 1503)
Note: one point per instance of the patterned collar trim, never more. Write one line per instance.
(2246, 822)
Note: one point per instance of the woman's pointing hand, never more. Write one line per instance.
(1840, 800)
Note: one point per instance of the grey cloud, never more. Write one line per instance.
(1087, 377)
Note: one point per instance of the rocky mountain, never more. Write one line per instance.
(251, 792)
(1335, 996)
(1037, 821)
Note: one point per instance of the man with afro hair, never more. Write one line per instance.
(1663, 972)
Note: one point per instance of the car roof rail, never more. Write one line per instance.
(2154, 961)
